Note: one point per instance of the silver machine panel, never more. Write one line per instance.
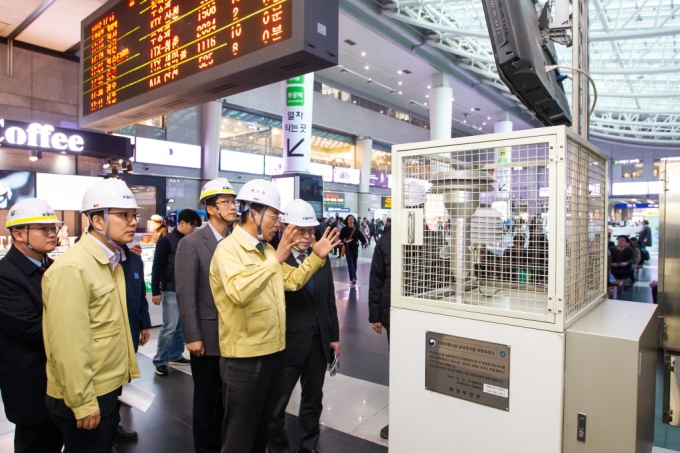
(668, 289)
(669, 254)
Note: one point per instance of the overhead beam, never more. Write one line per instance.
(638, 34)
(435, 27)
(636, 71)
(636, 111)
(641, 123)
(30, 19)
(617, 139)
(628, 132)
(460, 53)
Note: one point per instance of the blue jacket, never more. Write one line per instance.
(135, 289)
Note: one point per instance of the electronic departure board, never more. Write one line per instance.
(144, 58)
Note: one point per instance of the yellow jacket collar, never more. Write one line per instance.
(95, 250)
(242, 238)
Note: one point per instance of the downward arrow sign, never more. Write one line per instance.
(291, 152)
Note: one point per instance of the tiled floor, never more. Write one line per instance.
(355, 401)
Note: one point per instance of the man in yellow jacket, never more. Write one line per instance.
(248, 280)
(85, 323)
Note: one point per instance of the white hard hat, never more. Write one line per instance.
(299, 213)
(109, 193)
(217, 187)
(260, 191)
(414, 194)
(29, 211)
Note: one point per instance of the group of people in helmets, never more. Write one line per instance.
(65, 326)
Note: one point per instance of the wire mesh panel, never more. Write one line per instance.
(486, 229)
(585, 233)
(508, 228)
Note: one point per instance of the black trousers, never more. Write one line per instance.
(250, 388)
(41, 438)
(208, 409)
(311, 374)
(98, 440)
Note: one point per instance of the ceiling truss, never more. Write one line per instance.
(634, 59)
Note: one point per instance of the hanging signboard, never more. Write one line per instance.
(298, 96)
(141, 59)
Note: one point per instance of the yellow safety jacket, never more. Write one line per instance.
(86, 328)
(249, 291)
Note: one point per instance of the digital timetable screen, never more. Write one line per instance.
(142, 45)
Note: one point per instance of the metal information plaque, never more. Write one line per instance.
(473, 370)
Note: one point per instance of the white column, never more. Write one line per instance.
(298, 96)
(363, 148)
(441, 112)
(211, 120)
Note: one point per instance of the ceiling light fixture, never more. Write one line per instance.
(363, 54)
(399, 83)
(366, 68)
(398, 72)
(429, 87)
(400, 92)
(427, 95)
(34, 155)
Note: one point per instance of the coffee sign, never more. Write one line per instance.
(45, 137)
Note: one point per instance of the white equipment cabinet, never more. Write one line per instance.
(498, 258)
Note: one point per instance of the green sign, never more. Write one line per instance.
(296, 80)
(295, 96)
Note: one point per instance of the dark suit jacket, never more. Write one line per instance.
(197, 311)
(301, 313)
(23, 379)
(276, 239)
(135, 291)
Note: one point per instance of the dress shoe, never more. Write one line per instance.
(181, 361)
(162, 370)
(125, 435)
(384, 433)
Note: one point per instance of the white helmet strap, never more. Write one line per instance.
(260, 237)
(217, 207)
(106, 232)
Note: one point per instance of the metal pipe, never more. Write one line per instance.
(10, 57)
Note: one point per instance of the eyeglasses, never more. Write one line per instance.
(46, 231)
(277, 218)
(130, 217)
(306, 231)
(226, 202)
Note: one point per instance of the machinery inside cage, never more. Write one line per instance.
(488, 231)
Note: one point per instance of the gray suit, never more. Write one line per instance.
(197, 311)
(198, 317)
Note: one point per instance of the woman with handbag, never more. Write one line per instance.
(351, 237)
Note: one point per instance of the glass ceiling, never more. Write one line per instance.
(633, 59)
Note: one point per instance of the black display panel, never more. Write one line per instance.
(311, 190)
(143, 58)
(522, 52)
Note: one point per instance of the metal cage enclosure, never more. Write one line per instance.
(508, 228)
